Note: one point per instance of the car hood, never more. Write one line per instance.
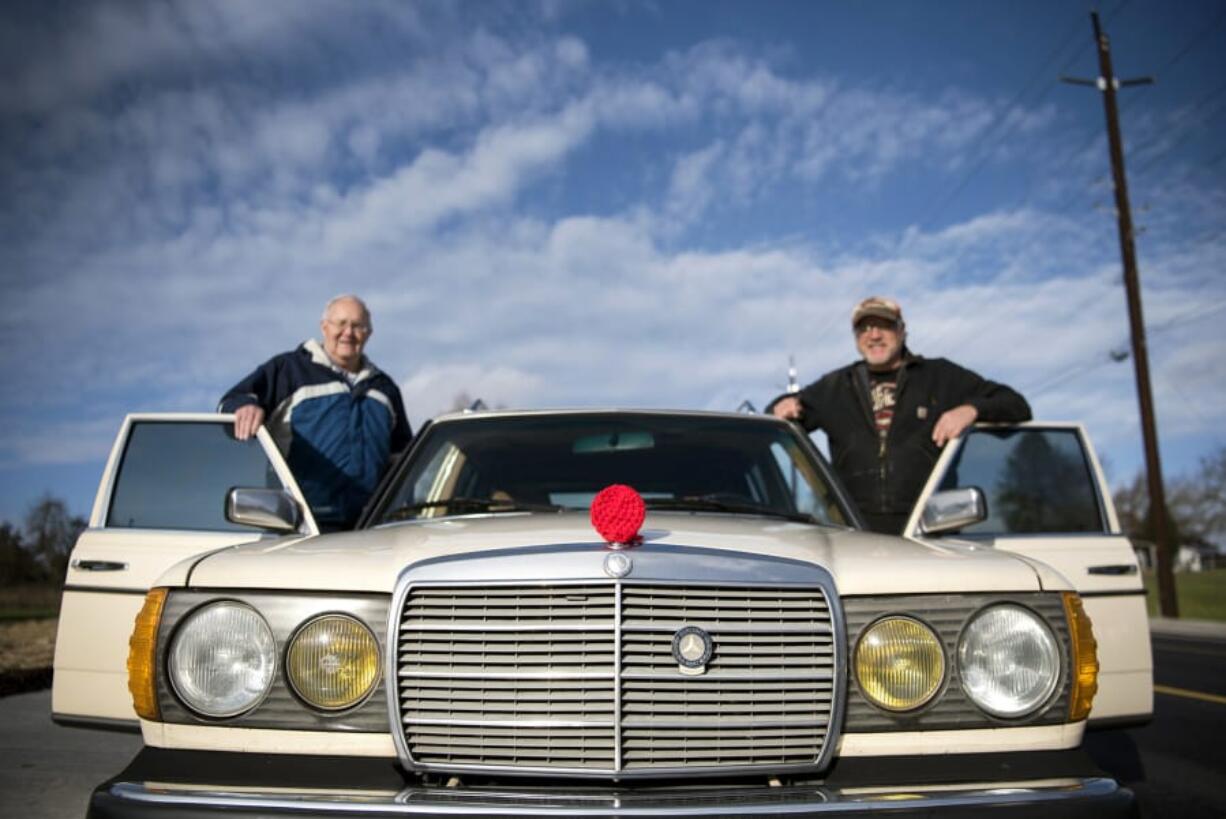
(371, 560)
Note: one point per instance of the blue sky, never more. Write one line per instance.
(614, 204)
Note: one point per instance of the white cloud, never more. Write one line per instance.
(434, 389)
(691, 188)
(534, 226)
(97, 46)
(61, 442)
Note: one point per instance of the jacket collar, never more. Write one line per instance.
(860, 380)
(319, 356)
(909, 359)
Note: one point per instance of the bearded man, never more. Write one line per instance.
(888, 415)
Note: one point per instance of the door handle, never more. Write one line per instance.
(1123, 568)
(99, 565)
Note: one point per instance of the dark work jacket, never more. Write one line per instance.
(885, 479)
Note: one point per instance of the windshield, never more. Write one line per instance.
(554, 463)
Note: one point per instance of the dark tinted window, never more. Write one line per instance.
(1034, 480)
(176, 476)
(564, 460)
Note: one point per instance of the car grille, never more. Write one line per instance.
(581, 677)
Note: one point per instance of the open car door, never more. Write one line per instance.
(162, 498)
(1047, 499)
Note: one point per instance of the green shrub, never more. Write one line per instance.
(29, 601)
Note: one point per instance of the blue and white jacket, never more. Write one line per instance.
(338, 430)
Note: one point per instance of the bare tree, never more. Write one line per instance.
(17, 564)
(51, 531)
(1202, 500)
(1196, 502)
(1132, 505)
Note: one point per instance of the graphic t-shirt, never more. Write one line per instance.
(882, 387)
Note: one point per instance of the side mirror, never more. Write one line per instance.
(273, 509)
(953, 509)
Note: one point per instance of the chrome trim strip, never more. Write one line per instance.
(769, 801)
(499, 629)
(125, 726)
(727, 677)
(734, 629)
(729, 723)
(582, 562)
(500, 675)
(76, 587)
(641, 774)
(513, 723)
(616, 687)
(644, 629)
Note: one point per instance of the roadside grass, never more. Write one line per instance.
(29, 602)
(1201, 595)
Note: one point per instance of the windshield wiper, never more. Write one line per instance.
(716, 503)
(461, 505)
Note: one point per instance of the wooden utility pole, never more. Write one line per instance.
(1109, 84)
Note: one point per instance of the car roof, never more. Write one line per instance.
(469, 415)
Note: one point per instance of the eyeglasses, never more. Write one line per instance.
(880, 324)
(345, 324)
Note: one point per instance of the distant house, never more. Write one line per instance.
(1189, 558)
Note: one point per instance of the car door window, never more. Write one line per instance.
(1035, 481)
(176, 476)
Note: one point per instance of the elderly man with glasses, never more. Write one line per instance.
(888, 415)
(337, 417)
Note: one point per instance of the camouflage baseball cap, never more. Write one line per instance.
(877, 306)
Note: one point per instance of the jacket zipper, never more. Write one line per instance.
(883, 447)
(881, 467)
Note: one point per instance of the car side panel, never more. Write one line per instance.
(110, 570)
(1125, 658)
(91, 662)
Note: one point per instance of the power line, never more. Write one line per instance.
(1215, 159)
(1042, 75)
(1188, 133)
(934, 211)
(1210, 237)
(1068, 203)
(999, 126)
(1168, 182)
(1065, 375)
(1184, 51)
(1036, 80)
(1113, 355)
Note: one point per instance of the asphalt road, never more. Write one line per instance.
(48, 772)
(1176, 764)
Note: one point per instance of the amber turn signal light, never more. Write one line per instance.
(1085, 658)
(142, 648)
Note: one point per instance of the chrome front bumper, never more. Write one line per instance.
(1047, 798)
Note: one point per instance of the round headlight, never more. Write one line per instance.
(1010, 661)
(333, 662)
(222, 659)
(900, 664)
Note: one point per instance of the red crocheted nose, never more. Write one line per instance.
(617, 513)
